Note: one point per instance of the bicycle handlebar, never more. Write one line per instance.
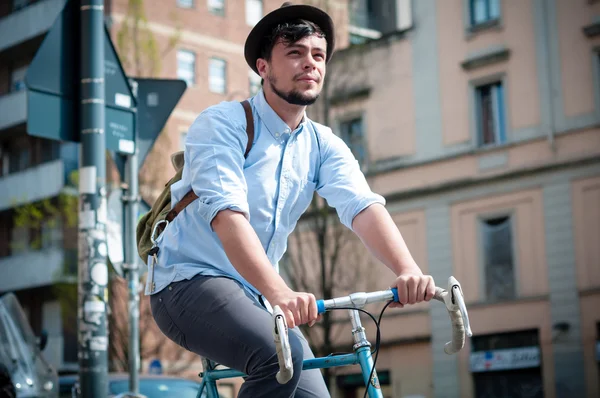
(452, 297)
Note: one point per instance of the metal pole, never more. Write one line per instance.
(93, 249)
(132, 269)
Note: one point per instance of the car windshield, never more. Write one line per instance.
(159, 388)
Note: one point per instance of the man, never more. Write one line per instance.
(217, 265)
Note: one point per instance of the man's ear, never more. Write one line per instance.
(263, 67)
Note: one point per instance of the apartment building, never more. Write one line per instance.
(479, 121)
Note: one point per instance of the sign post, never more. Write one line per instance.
(93, 250)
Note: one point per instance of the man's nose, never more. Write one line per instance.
(310, 63)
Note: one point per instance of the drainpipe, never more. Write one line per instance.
(552, 126)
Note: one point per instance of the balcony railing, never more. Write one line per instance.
(28, 22)
(36, 183)
(13, 109)
(32, 269)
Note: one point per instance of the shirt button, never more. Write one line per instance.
(277, 135)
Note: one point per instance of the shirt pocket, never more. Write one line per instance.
(303, 201)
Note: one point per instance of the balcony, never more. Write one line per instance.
(43, 181)
(28, 23)
(13, 109)
(31, 269)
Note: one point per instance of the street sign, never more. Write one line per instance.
(156, 99)
(53, 88)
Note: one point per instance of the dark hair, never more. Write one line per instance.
(289, 33)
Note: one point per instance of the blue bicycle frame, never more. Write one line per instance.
(452, 298)
(361, 356)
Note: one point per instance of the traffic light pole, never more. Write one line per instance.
(93, 249)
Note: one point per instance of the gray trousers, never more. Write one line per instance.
(218, 319)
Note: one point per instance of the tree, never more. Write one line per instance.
(141, 56)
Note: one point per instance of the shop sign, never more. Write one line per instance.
(512, 358)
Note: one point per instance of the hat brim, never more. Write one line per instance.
(283, 14)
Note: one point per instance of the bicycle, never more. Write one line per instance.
(452, 297)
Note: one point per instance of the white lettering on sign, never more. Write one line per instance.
(126, 146)
(152, 99)
(123, 100)
(512, 358)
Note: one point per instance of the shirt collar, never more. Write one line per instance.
(276, 126)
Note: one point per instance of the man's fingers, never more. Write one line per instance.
(289, 318)
(402, 292)
(421, 289)
(412, 284)
(312, 310)
(430, 288)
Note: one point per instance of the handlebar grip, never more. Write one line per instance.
(395, 292)
(320, 306)
(454, 301)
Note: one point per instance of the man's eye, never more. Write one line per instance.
(319, 56)
(294, 52)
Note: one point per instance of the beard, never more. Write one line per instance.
(293, 97)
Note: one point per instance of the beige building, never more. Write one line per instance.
(480, 125)
(476, 119)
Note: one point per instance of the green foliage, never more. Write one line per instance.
(138, 49)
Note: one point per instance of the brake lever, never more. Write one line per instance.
(458, 299)
(282, 344)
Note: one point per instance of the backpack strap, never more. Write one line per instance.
(191, 195)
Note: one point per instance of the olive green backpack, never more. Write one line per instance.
(163, 212)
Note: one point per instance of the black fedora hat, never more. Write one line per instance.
(287, 12)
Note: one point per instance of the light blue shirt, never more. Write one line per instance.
(272, 187)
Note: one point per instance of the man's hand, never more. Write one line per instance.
(298, 307)
(413, 287)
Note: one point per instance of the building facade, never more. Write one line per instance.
(479, 123)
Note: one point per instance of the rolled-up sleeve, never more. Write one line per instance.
(341, 182)
(215, 148)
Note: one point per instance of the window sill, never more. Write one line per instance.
(517, 300)
(494, 24)
(592, 30)
(489, 57)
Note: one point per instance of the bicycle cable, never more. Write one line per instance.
(377, 339)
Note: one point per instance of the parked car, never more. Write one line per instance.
(151, 386)
(21, 353)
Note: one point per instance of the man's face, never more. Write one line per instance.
(296, 71)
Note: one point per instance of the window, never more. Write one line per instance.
(254, 80)
(484, 11)
(490, 114)
(364, 22)
(186, 66)
(19, 159)
(498, 258)
(185, 3)
(51, 233)
(352, 134)
(254, 11)
(18, 78)
(20, 238)
(216, 7)
(19, 4)
(217, 75)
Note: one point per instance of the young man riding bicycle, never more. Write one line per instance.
(216, 272)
